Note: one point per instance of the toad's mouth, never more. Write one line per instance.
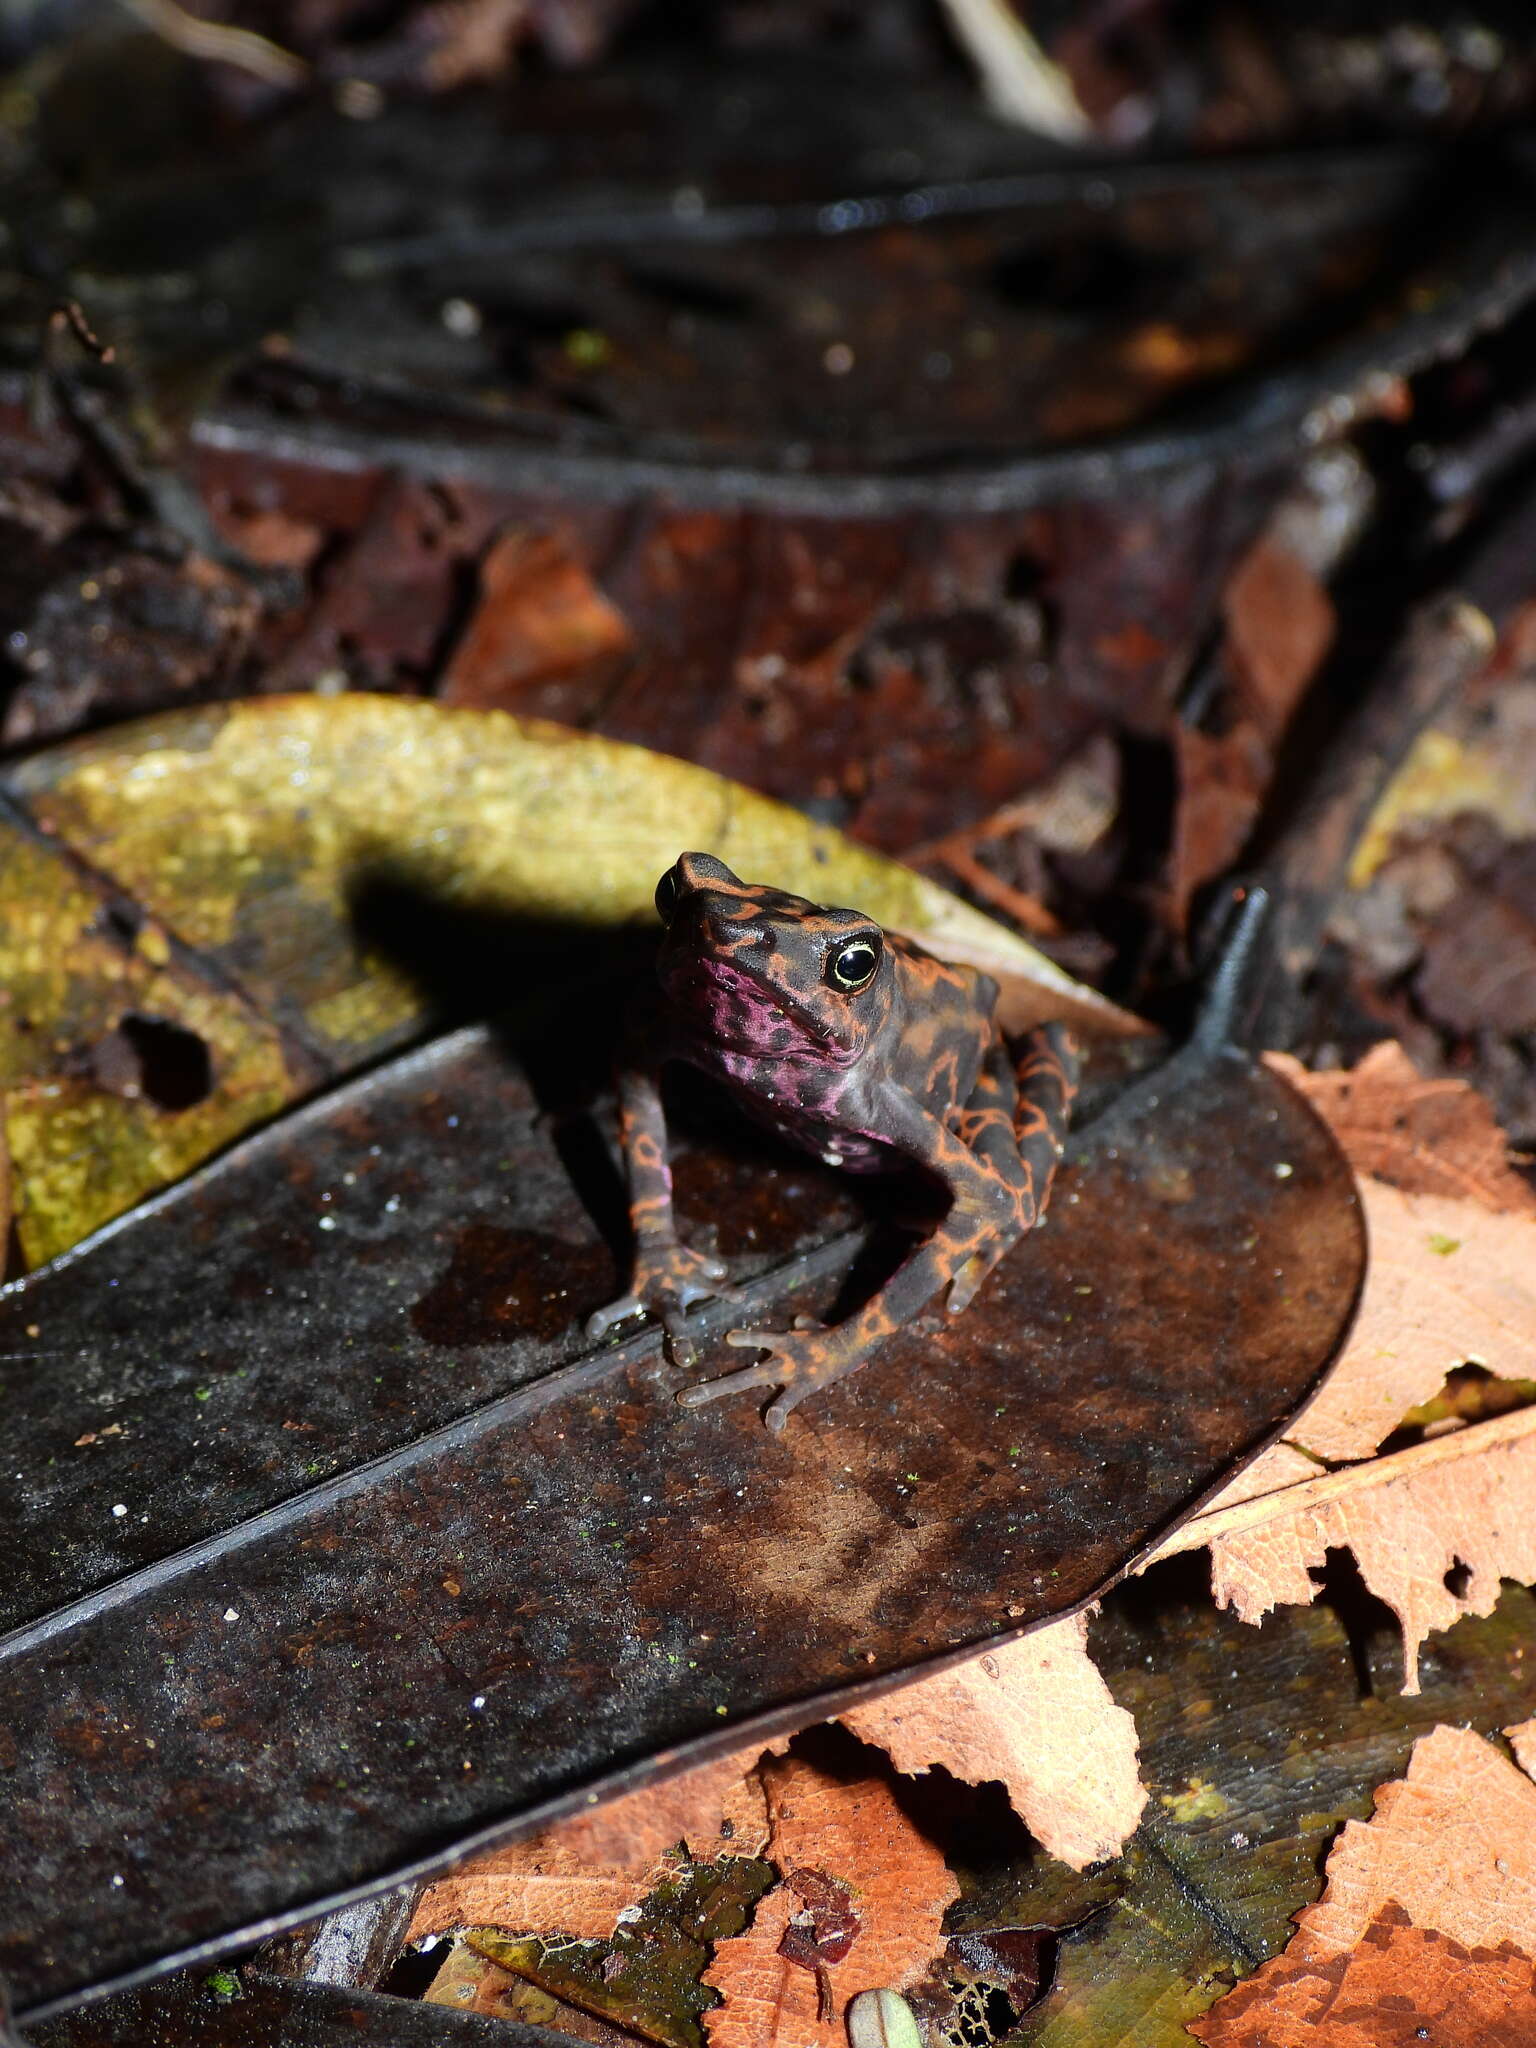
(737, 1012)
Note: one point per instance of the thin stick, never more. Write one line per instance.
(1022, 83)
(241, 47)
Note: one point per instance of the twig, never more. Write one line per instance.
(1022, 83)
(1028, 911)
(218, 43)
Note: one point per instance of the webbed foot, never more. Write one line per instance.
(668, 1279)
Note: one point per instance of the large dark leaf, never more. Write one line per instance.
(251, 1672)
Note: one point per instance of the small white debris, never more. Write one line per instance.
(461, 317)
(231, 1614)
(1284, 1170)
(119, 1509)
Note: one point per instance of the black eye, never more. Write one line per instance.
(852, 966)
(666, 896)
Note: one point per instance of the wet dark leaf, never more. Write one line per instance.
(566, 1574)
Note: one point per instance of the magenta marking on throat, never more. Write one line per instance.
(737, 1011)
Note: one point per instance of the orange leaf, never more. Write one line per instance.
(1449, 1854)
(1417, 1527)
(540, 615)
(1037, 1715)
(576, 1877)
(1454, 1842)
(856, 1835)
(1400, 1987)
(1428, 1137)
(1452, 1272)
(1522, 1740)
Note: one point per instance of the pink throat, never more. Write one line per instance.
(737, 1013)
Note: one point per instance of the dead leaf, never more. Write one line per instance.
(540, 615)
(494, 1892)
(1452, 1847)
(1221, 786)
(1402, 1986)
(1479, 967)
(1452, 1276)
(1432, 1535)
(1522, 1740)
(577, 1877)
(1482, 765)
(1453, 1841)
(1036, 1715)
(1422, 1136)
(1280, 624)
(468, 1981)
(856, 1835)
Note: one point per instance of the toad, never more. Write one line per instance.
(860, 1047)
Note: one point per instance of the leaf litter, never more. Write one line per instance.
(1433, 1527)
(1452, 1234)
(1426, 1928)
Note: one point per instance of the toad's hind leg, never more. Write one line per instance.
(1016, 1121)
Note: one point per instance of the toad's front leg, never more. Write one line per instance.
(668, 1277)
(803, 1360)
(999, 1165)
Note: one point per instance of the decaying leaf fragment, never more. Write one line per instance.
(1036, 1715)
(579, 1875)
(1452, 1229)
(1451, 1278)
(1433, 1533)
(1400, 1987)
(855, 1837)
(1429, 1915)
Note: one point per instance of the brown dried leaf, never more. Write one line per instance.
(1037, 1715)
(1454, 1842)
(504, 1890)
(1452, 1846)
(1280, 624)
(1418, 1526)
(1522, 1740)
(576, 1877)
(1452, 1275)
(717, 1808)
(856, 1834)
(1402, 1986)
(1221, 786)
(468, 1981)
(540, 615)
(1424, 1137)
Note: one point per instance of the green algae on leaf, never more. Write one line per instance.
(647, 1978)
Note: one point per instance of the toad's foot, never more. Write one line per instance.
(965, 1285)
(799, 1362)
(668, 1279)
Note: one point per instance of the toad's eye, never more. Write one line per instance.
(852, 966)
(666, 896)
